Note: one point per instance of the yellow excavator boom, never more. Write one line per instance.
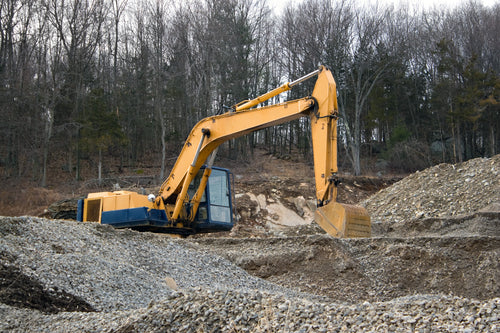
(322, 109)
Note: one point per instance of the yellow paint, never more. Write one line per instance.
(342, 220)
(108, 201)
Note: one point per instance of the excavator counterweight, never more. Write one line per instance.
(196, 197)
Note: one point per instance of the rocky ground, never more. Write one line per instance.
(442, 190)
(432, 265)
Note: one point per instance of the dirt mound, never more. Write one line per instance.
(442, 190)
(377, 269)
(476, 224)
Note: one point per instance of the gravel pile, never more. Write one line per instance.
(114, 269)
(442, 190)
(202, 310)
(256, 312)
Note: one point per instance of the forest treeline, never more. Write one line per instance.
(122, 80)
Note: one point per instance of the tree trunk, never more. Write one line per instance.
(492, 141)
(163, 145)
(99, 168)
(356, 145)
(44, 170)
(48, 135)
(77, 174)
(458, 143)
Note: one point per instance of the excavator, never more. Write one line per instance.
(196, 197)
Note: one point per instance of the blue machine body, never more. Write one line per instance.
(214, 213)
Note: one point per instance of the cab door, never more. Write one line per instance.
(215, 209)
(219, 197)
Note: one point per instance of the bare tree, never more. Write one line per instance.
(364, 72)
(118, 7)
(79, 27)
(18, 42)
(158, 41)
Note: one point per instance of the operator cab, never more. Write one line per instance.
(215, 209)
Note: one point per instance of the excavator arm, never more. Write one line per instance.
(211, 132)
(176, 208)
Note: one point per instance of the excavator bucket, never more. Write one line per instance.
(343, 220)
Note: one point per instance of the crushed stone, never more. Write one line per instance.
(440, 191)
(113, 269)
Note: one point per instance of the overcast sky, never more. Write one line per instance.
(426, 4)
